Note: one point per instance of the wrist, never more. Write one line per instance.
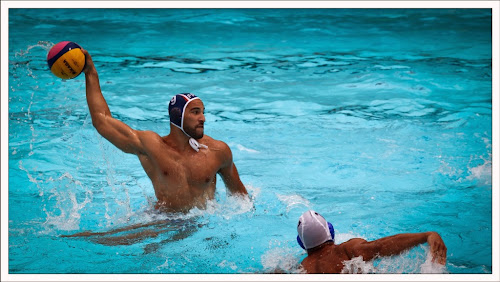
(90, 70)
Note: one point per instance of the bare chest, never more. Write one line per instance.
(196, 170)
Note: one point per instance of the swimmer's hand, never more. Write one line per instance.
(438, 248)
(89, 64)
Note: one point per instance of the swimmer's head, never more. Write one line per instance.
(313, 230)
(176, 108)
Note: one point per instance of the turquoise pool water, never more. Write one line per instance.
(379, 119)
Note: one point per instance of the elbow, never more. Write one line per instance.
(99, 122)
(98, 125)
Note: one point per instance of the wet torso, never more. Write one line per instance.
(182, 180)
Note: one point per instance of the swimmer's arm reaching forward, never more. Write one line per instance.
(396, 244)
(115, 131)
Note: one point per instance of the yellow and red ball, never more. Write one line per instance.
(66, 60)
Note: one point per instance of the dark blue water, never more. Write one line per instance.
(379, 119)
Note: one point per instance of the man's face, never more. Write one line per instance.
(194, 119)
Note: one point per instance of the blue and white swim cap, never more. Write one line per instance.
(314, 230)
(176, 109)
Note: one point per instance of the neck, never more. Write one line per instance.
(320, 247)
(179, 138)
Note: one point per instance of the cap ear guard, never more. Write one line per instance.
(332, 233)
(300, 242)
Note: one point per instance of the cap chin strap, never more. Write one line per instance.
(195, 145)
(192, 142)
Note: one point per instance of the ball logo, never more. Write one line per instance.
(172, 101)
(73, 72)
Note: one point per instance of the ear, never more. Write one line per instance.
(300, 242)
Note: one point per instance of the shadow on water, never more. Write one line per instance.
(136, 233)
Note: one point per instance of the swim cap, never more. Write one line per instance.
(314, 230)
(176, 108)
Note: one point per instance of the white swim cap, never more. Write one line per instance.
(314, 230)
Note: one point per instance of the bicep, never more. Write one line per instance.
(121, 135)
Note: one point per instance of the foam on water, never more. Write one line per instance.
(232, 206)
(416, 261)
(430, 267)
(280, 259)
(294, 201)
(358, 266)
(481, 172)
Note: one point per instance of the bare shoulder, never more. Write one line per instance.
(149, 138)
(216, 145)
(354, 241)
(148, 135)
(220, 149)
(354, 247)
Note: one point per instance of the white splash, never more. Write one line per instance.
(416, 260)
(281, 259)
(232, 206)
(358, 266)
(481, 172)
(293, 201)
(32, 179)
(225, 263)
(166, 264)
(447, 170)
(66, 215)
(431, 267)
(45, 45)
(242, 148)
(254, 192)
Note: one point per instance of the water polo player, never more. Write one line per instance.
(182, 165)
(317, 237)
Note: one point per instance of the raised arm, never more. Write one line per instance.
(396, 244)
(115, 131)
(229, 173)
